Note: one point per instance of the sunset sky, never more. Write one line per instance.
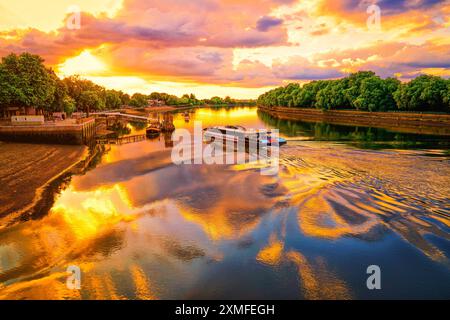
(239, 48)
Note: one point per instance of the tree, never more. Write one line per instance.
(124, 98)
(354, 82)
(26, 82)
(60, 96)
(90, 101)
(364, 90)
(113, 100)
(228, 100)
(333, 96)
(424, 93)
(446, 96)
(193, 99)
(155, 96)
(308, 94)
(76, 86)
(376, 94)
(216, 101)
(7, 90)
(69, 105)
(185, 99)
(139, 100)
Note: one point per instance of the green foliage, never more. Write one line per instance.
(446, 96)
(90, 101)
(333, 95)
(60, 96)
(171, 100)
(69, 105)
(139, 100)
(424, 93)
(216, 101)
(376, 94)
(113, 99)
(26, 82)
(80, 89)
(124, 98)
(365, 91)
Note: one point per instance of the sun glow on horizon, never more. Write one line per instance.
(84, 64)
(160, 46)
(135, 84)
(88, 66)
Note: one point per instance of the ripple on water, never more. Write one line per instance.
(350, 192)
(145, 231)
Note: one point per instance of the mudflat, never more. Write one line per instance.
(25, 168)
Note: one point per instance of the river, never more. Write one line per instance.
(344, 198)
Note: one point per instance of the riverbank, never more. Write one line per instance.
(27, 170)
(420, 123)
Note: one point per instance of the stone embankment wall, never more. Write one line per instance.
(82, 132)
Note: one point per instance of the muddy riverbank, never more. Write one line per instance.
(140, 227)
(27, 170)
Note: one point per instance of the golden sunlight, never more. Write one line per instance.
(83, 64)
(49, 16)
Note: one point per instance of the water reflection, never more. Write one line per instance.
(142, 228)
(366, 137)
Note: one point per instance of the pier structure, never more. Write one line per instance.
(116, 115)
(70, 131)
(121, 140)
(81, 130)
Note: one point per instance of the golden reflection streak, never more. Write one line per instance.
(445, 221)
(213, 117)
(52, 287)
(86, 213)
(142, 284)
(317, 218)
(230, 216)
(272, 253)
(312, 189)
(316, 282)
(82, 216)
(217, 225)
(100, 287)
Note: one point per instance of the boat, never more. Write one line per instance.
(152, 132)
(235, 133)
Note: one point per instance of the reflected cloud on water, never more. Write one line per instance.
(142, 228)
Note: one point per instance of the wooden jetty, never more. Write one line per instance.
(123, 115)
(122, 140)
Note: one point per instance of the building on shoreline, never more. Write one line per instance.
(8, 112)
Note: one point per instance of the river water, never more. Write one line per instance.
(345, 198)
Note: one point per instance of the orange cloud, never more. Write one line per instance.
(194, 44)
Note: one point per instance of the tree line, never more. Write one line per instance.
(26, 82)
(364, 91)
(191, 99)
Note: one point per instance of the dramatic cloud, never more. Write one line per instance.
(392, 59)
(298, 68)
(389, 7)
(265, 23)
(235, 44)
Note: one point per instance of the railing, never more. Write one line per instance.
(121, 115)
(122, 140)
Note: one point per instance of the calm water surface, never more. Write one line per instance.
(345, 198)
